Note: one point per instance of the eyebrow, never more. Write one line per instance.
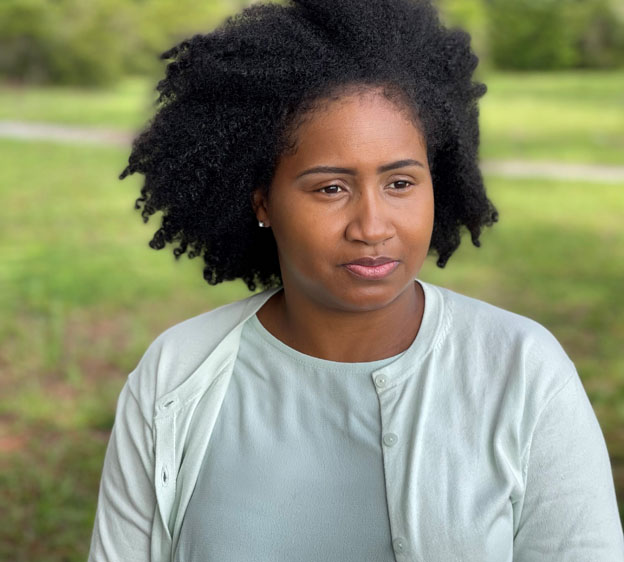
(352, 172)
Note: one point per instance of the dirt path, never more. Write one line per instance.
(595, 173)
(63, 133)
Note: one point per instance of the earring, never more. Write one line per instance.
(261, 224)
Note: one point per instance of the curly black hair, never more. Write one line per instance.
(232, 99)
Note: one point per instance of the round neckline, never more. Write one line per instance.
(317, 362)
(402, 361)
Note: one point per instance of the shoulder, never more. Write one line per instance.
(497, 331)
(501, 368)
(178, 351)
(515, 358)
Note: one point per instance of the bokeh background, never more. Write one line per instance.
(82, 295)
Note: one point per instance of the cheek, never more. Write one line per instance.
(298, 229)
(426, 208)
(418, 225)
(307, 241)
(427, 216)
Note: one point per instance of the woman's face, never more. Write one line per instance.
(358, 186)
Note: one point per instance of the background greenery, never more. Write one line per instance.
(542, 34)
(95, 42)
(82, 295)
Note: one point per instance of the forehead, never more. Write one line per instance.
(357, 126)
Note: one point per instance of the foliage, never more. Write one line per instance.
(600, 42)
(470, 15)
(94, 42)
(554, 34)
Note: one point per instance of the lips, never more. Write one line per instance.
(372, 268)
(371, 262)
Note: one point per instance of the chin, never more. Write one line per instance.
(365, 299)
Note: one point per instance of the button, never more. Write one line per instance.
(380, 381)
(400, 545)
(390, 439)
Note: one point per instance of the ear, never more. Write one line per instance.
(259, 204)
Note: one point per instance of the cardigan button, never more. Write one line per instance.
(380, 381)
(390, 439)
(400, 546)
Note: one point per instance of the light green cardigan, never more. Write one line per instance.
(501, 456)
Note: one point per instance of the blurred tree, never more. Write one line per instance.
(600, 39)
(95, 42)
(554, 34)
(159, 24)
(528, 34)
(471, 16)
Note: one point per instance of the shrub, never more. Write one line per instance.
(94, 42)
(554, 34)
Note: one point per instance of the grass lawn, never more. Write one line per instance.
(568, 116)
(125, 106)
(81, 297)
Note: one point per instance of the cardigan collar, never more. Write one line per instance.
(217, 360)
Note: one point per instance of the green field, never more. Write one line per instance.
(125, 106)
(570, 117)
(81, 294)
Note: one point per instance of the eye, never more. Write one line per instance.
(401, 184)
(330, 189)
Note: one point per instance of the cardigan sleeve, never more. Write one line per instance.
(570, 511)
(126, 501)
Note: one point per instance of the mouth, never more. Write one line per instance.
(373, 271)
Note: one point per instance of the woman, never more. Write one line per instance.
(349, 412)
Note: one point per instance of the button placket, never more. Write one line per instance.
(386, 397)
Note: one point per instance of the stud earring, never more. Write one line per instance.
(261, 224)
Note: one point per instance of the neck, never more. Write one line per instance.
(344, 336)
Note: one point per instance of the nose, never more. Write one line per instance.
(370, 218)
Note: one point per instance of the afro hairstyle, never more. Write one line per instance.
(232, 98)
